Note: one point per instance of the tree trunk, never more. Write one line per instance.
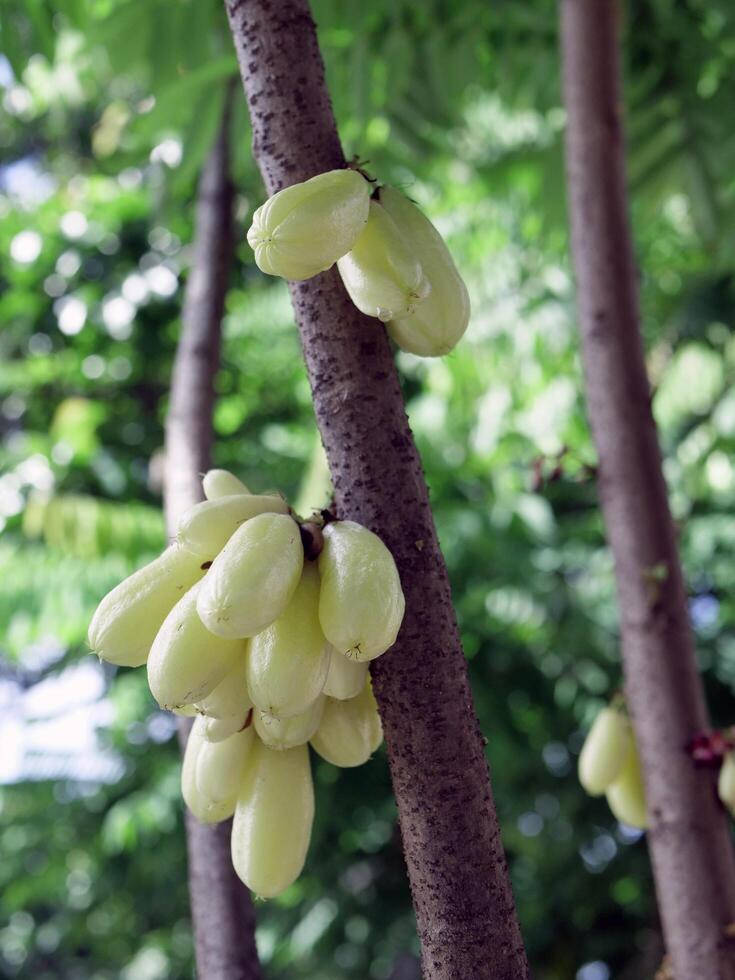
(461, 892)
(688, 837)
(222, 911)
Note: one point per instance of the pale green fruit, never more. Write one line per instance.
(437, 324)
(188, 769)
(350, 731)
(220, 767)
(218, 729)
(206, 527)
(626, 795)
(604, 751)
(303, 229)
(361, 603)
(186, 661)
(253, 578)
(128, 618)
(287, 733)
(381, 273)
(289, 661)
(205, 808)
(230, 699)
(726, 782)
(346, 678)
(273, 819)
(222, 483)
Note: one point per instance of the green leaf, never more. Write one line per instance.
(40, 17)
(200, 134)
(175, 101)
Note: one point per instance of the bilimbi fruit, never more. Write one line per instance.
(221, 483)
(604, 751)
(207, 527)
(383, 277)
(127, 620)
(436, 324)
(393, 262)
(626, 795)
(267, 647)
(253, 578)
(726, 782)
(303, 229)
(345, 678)
(349, 731)
(289, 660)
(273, 817)
(287, 733)
(609, 764)
(361, 602)
(187, 662)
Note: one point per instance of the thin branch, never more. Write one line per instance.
(461, 892)
(222, 911)
(689, 842)
(189, 420)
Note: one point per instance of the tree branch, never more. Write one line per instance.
(461, 892)
(689, 842)
(222, 911)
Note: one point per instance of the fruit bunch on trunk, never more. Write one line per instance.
(392, 260)
(262, 626)
(609, 763)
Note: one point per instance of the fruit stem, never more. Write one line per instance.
(312, 539)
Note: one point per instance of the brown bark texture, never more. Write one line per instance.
(221, 907)
(688, 838)
(464, 906)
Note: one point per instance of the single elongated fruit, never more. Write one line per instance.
(350, 731)
(187, 662)
(287, 733)
(305, 228)
(220, 767)
(204, 807)
(206, 527)
(230, 698)
(437, 324)
(626, 795)
(288, 662)
(253, 578)
(218, 729)
(346, 678)
(188, 769)
(604, 751)
(128, 618)
(726, 782)
(222, 483)
(381, 273)
(273, 819)
(361, 602)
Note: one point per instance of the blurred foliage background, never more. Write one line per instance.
(107, 108)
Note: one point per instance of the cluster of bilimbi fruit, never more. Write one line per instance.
(262, 627)
(609, 763)
(393, 262)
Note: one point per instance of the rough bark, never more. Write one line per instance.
(222, 911)
(461, 892)
(688, 838)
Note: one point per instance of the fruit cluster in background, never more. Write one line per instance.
(262, 627)
(392, 260)
(609, 763)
